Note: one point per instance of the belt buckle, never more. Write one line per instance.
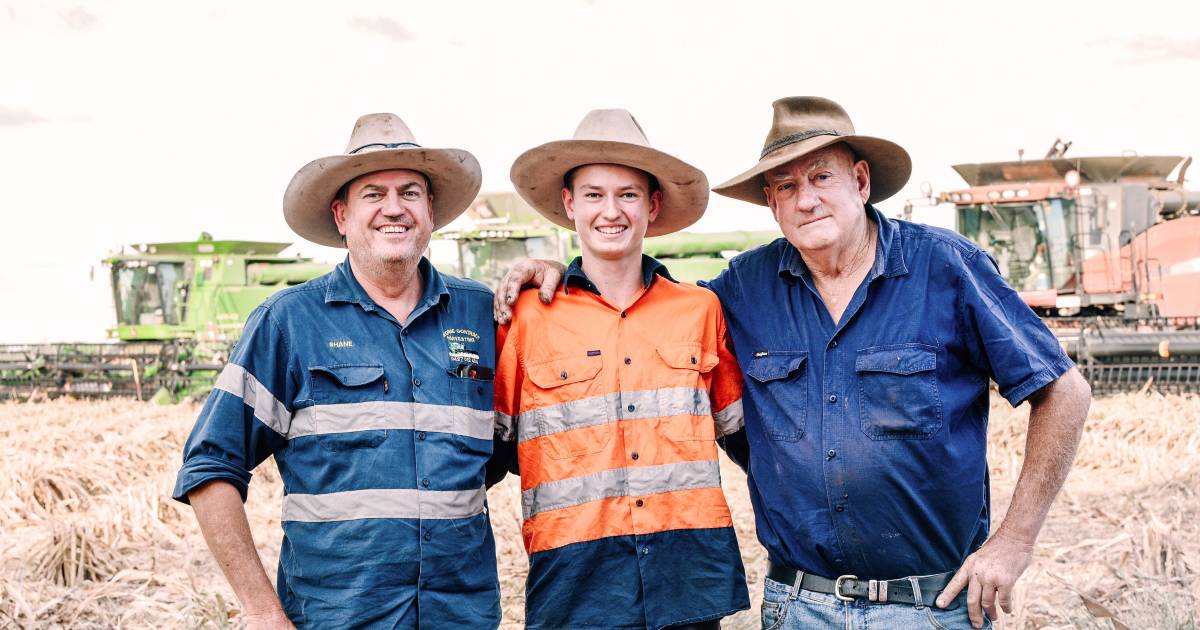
(837, 587)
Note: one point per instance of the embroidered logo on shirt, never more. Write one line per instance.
(344, 343)
(760, 354)
(460, 342)
(593, 353)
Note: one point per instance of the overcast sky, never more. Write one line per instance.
(125, 122)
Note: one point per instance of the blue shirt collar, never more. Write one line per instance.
(650, 268)
(889, 252)
(344, 287)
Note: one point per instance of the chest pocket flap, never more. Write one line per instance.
(687, 355)
(564, 370)
(776, 365)
(351, 375)
(903, 359)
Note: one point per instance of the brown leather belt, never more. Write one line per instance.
(921, 590)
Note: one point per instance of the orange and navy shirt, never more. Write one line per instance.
(616, 415)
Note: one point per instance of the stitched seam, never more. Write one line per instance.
(793, 138)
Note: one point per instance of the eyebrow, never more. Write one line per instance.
(404, 188)
(633, 187)
(821, 163)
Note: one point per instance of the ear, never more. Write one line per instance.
(568, 202)
(655, 205)
(862, 179)
(338, 208)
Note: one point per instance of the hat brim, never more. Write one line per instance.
(453, 174)
(889, 162)
(538, 177)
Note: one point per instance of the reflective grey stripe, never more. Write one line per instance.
(385, 503)
(586, 412)
(374, 415)
(730, 419)
(237, 381)
(620, 482)
(504, 427)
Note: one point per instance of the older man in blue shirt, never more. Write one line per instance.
(868, 345)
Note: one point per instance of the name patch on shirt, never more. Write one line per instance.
(461, 343)
(343, 343)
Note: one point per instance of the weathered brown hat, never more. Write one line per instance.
(379, 142)
(610, 136)
(804, 124)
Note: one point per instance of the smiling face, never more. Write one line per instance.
(386, 218)
(612, 206)
(818, 199)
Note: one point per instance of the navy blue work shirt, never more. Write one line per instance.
(868, 436)
(381, 430)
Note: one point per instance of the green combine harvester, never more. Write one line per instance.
(180, 307)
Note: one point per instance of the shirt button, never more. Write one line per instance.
(628, 360)
(639, 503)
(416, 382)
(428, 535)
(622, 314)
(840, 508)
(630, 408)
(563, 376)
(645, 550)
(830, 454)
(403, 332)
(421, 435)
(693, 360)
(425, 482)
(833, 344)
(635, 455)
(833, 398)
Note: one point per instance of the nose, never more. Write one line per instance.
(610, 210)
(807, 199)
(391, 205)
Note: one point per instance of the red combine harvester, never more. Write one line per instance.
(1106, 250)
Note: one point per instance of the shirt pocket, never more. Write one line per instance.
(566, 402)
(471, 418)
(685, 392)
(781, 392)
(335, 421)
(898, 392)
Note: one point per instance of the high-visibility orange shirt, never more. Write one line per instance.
(616, 414)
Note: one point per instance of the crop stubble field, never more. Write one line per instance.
(91, 538)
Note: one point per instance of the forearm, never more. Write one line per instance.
(222, 519)
(1056, 419)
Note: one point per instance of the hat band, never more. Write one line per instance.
(390, 145)
(796, 137)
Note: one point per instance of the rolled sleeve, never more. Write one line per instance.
(1010, 342)
(244, 421)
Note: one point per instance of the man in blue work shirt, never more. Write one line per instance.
(868, 344)
(371, 386)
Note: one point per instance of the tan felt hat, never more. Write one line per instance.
(379, 142)
(610, 136)
(804, 124)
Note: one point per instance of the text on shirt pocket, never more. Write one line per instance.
(783, 407)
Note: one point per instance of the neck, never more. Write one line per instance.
(618, 280)
(394, 286)
(846, 260)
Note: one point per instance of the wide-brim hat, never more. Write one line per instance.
(804, 124)
(610, 136)
(379, 142)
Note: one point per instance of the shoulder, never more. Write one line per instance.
(466, 286)
(763, 257)
(688, 295)
(938, 243)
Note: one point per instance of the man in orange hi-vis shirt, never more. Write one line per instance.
(616, 394)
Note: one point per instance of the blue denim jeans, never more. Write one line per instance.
(783, 610)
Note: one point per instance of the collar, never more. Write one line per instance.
(650, 268)
(344, 287)
(889, 251)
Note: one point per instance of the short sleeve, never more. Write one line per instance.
(1005, 337)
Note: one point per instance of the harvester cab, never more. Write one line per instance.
(1106, 249)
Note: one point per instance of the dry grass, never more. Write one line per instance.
(92, 540)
